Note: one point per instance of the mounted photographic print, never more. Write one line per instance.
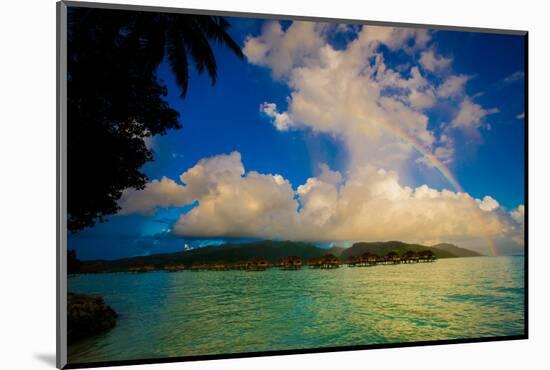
(236, 185)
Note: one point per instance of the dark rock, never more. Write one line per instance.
(87, 315)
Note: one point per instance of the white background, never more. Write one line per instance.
(27, 182)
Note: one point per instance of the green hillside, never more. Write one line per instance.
(383, 248)
(457, 251)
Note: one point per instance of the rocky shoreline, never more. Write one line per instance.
(88, 315)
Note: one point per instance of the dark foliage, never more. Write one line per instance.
(73, 263)
(116, 101)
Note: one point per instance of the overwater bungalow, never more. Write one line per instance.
(392, 258)
(198, 266)
(141, 267)
(372, 259)
(353, 261)
(329, 261)
(290, 263)
(218, 266)
(239, 265)
(409, 257)
(173, 267)
(314, 262)
(257, 264)
(426, 256)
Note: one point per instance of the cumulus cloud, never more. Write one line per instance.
(329, 176)
(283, 50)
(371, 204)
(163, 193)
(432, 62)
(521, 115)
(444, 151)
(518, 230)
(488, 204)
(518, 214)
(196, 182)
(452, 86)
(280, 120)
(353, 94)
(349, 93)
(470, 116)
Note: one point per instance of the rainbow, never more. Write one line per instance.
(442, 169)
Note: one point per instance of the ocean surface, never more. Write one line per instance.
(187, 313)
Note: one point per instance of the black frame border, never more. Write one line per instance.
(61, 248)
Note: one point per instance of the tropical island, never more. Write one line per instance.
(285, 255)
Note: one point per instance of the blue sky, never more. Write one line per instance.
(487, 159)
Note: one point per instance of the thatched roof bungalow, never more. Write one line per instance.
(314, 262)
(329, 261)
(290, 263)
(257, 264)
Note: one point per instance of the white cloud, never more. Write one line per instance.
(344, 92)
(488, 204)
(518, 230)
(452, 86)
(518, 214)
(197, 181)
(521, 115)
(470, 116)
(329, 176)
(280, 120)
(283, 50)
(445, 149)
(516, 76)
(163, 193)
(432, 62)
(353, 94)
(254, 205)
(370, 205)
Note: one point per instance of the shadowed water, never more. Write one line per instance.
(211, 312)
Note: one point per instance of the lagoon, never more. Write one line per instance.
(189, 313)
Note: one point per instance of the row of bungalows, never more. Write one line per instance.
(392, 258)
(254, 264)
(366, 259)
(174, 267)
(141, 267)
(260, 264)
(328, 261)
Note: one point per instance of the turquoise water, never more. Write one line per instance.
(211, 312)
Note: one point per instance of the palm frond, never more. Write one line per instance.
(215, 28)
(196, 43)
(177, 58)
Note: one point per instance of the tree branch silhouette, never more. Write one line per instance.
(116, 100)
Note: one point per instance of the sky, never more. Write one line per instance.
(336, 133)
